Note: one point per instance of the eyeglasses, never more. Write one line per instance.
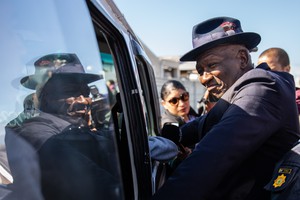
(183, 97)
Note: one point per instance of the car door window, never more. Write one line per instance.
(49, 49)
(132, 121)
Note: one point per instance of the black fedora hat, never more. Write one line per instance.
(217, 31)
(64, 66)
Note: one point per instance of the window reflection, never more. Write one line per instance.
(55, 115)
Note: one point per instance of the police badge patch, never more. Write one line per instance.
(282, 178)
(285, 183)
(279, 181)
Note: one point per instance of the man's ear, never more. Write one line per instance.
(287, 68)
(244, 58)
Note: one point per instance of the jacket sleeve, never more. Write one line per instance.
(191, 132)
(162, 149)
(228, 143)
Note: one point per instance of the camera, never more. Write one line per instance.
(99, 107)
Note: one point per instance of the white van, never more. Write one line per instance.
(71, 46)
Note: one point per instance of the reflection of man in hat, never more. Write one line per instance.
(44, 67)
(75, 162)
(61, 137)
(253, 124)
(63, 95)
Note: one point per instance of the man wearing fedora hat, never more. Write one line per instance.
(253, 124)
(44, 67)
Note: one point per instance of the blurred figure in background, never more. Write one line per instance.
(112, 86)
(278, 60)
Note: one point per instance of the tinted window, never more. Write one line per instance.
(56, 111)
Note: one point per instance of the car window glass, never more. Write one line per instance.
(51, 71)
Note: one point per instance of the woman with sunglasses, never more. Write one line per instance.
(175, 100)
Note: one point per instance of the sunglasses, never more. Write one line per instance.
(183, 97)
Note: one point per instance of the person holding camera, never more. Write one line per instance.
(60, 138)
(62, 92)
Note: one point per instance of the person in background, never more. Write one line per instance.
(112, 86)
(30, 110)
(252, 125)
(278, 60)
(176, 102)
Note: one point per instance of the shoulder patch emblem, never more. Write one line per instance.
(279, 181)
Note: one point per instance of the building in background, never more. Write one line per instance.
(169, 67)
(165, 68)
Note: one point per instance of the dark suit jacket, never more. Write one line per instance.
(241, 139)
